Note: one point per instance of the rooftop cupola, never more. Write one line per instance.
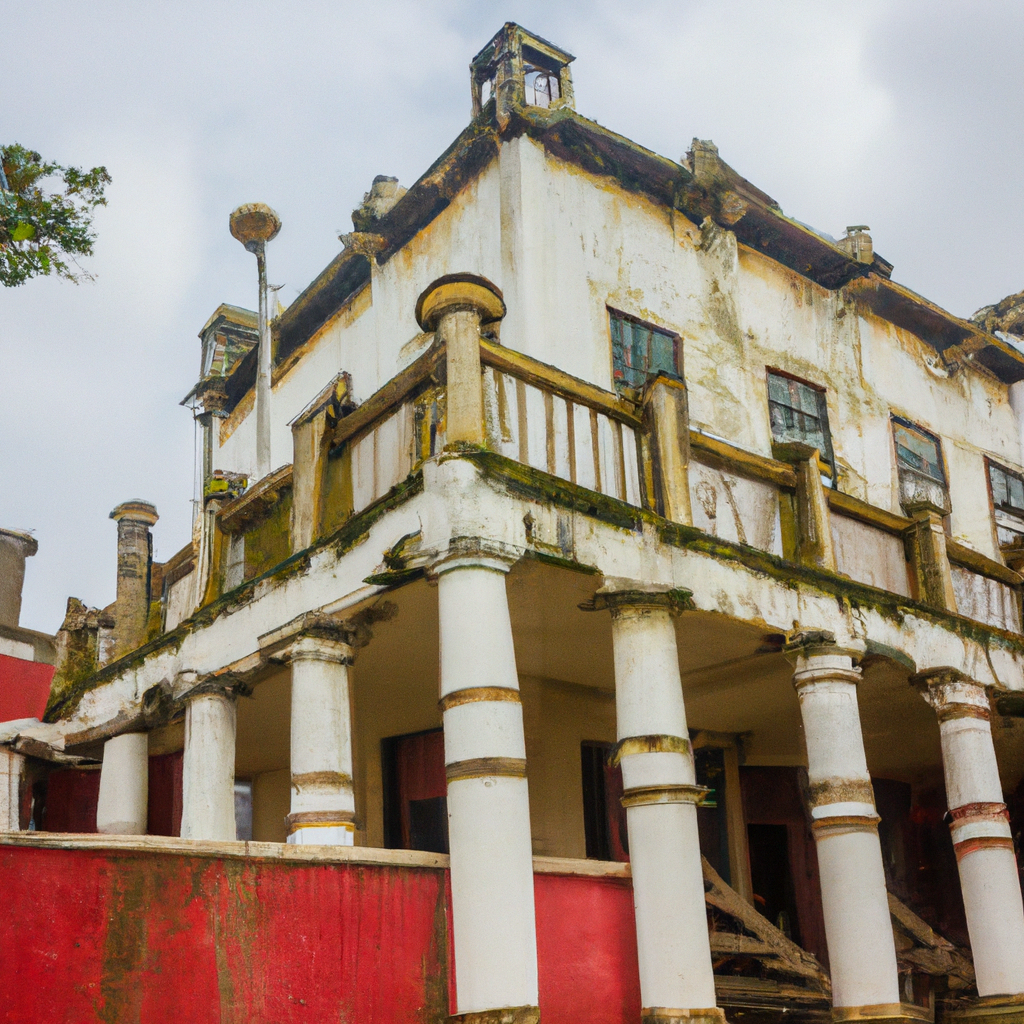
(519, 69)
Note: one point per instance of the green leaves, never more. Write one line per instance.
(45, 231)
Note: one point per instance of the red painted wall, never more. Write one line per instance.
(156, 938)
(71, 796)
(24, 688)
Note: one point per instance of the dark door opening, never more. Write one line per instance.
(771, 878)
(604, 817)
(415, 792)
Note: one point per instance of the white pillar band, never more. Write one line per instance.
(488, 797)
(660, 796)
(980, 830)
(858, 929)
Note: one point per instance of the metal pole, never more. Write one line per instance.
(263, 452)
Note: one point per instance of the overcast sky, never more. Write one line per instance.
(903, 115)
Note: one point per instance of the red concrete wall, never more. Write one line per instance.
(156, 938)
(24, 688)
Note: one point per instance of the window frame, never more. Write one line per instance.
(1016, 513)
(677, 348)
(902, 421)
(828, 458)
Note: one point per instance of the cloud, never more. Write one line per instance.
(899, 115)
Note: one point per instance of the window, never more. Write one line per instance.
(1007, 489)
(541, 87)
(922, 474)
(798, 412)
(640, 351)
(918, 451)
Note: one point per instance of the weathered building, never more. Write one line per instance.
(625, 622)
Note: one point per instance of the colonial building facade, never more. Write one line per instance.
(602, 604)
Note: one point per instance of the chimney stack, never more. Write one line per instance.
(857, 243)
(15, 547)
(134, 561)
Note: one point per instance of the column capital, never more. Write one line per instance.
(312, 636)
(135, 512)
(817, 657)
(952, 693)
(617, 596)
(474, 553)
(459, 291)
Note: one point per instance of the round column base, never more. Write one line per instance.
(508, 1015)
(673, 1015)
(990, 1010)
(896, 1013)
(322, 835)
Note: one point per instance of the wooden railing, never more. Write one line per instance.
(549, 420)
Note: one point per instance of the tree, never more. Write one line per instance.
(45, 232)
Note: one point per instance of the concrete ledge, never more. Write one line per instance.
(293, 854)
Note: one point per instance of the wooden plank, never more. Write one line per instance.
(870, 515)
(791, 957)
(392, 394)
(960, 554)
(550, 378)
(255, 501)
(728, 456)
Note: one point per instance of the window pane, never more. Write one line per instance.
(916, 450)
(1000, 492)
(639, 350)
(663, 354)
(1016, 492)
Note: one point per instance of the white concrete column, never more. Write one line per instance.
(12, 767)
(660, 796)
(208, 768)
(323, 804)
(981, 831)
(123, 804)
(488, 800)
(858, 930)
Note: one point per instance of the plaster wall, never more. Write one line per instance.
(564, 245)
(589, 245)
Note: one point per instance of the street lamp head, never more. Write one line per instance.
(254, 224)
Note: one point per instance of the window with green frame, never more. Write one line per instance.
(640, 351)
(799, 412)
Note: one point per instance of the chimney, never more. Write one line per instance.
(134, 561)
(381, 199)
(15, 547)
(857, 243)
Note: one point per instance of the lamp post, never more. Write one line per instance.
(255, 224)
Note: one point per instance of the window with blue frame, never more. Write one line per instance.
(640, 351)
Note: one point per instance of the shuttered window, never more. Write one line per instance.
(640, 351)
(799, 412)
